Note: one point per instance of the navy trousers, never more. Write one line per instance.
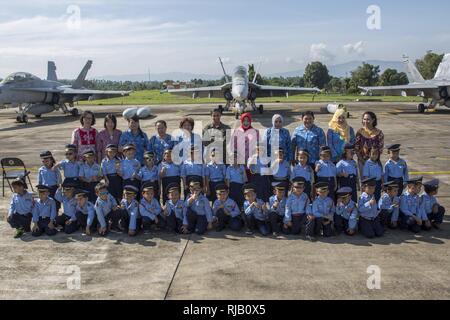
(115, 186)
(371, 228)
(147, 223)
(82, 221)
(438, 217)
(68, 228)
(19, 221)
(124, 220)
(298, 221)
(315, 226)
(224, 220)
(196, 223)
(43, 228)
(255, 224)
(236, 193)
(408, 222)
(173, 223)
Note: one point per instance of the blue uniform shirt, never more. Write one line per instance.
(428, 202)
(45, 209)
(88, 210)
(48, 177)
(296, 205)
(71, 168)
(281, 208)
(129, 168)
(284, 170)
(133, 212)
(189, 168)
(158, 145)
(216, 172)
(21, 204)
(258, 214)
(175, 208)
(201, 207)
(109, 166)
(149, 174)
(396, 170)
(347, 166)
(88, 172)
(69, 204)
(309, 140)
(387, 203)
(230, 206)
(284, 141)
(323, 208)
(352, 216)
(236, 174)
(172, 170)
(410, 206)
(327, 169)
(365, 209)
(372, 169)
(301, 171)
(256, 166)
(149, 209)
(103, 208)
(139, 141)
(337, 143)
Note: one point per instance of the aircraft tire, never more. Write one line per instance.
(421, 108)
(261, 109)
(74, 112)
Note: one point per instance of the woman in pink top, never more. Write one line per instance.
(109, 135)
(85, 137)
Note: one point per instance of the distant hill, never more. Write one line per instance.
(339, 70)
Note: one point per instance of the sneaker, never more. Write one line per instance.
(249, 232)
(19, 233)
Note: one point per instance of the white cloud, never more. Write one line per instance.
(320, 52)
(355, 48)
(292, 61)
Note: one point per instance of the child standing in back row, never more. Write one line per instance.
(374, 170)
(347, 171)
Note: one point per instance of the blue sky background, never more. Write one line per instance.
(128, 37)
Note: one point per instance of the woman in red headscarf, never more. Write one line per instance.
(245, 140)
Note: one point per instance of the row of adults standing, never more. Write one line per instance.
(308, 136)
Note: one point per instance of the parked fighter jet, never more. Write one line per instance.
(435, 91)
(238, 91)
(36, 96)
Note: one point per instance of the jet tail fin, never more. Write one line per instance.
(51, 71)
(413, 74)
(443, 71)
(227, 77)
(82, 76)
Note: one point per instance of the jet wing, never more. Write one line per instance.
(202, 92)
(49, 90)
(274, 91)
(409, 89)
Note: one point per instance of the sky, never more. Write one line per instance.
(131, 37)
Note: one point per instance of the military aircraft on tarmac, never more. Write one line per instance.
(36, 96)
(238, 91)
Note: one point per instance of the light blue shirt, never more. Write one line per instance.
(352, 216)
(176, 208)
(347, 166)
(149, 174)
(396, 170)
(236, 174)
(428, 202)
(109, 166)
(133, 212)
(200, 206)
(158, 146)
(45, 209)
(323, 208)
(149, 209)
(302, 171)
(230, 206)
(48, 177)
(71, 168)
(215, 172)
(327, 169)
(337, 143)
(296, 205)
(410, 206)
(258, 214)
(69, 204)
(21, 204)
(309, 140)
(139, 141)
(130, 168)
(189, 168)
(284, 170)
(88, 172)
(387, 203)
(372, 169)
(365, 209)
(88, 210)
(172, 170)
(284, 141)
(103, 208)
(257, 167)
(281, 208)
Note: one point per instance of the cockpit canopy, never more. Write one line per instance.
(19, 77)
(240, 71)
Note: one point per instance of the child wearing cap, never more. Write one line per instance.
(169, 173)
(260, 173)
(90, 174)
(47, 176)
(129, 168)
(320, 217)
(277, 207)
(297, 206)
(44, 213)
(85, 212)
(193, 168)
(326, 170)
(66, 195)
(389, 205)
(373, 169)
(106, 210)
(215, 175)
(346, 216)
(304, 170)
(412, 214)
(235, 178)
(226, 210)
(129, 211)
(280, 168)
(255, 211)
(20, 208)
(369, 220)
(150, 209)
(70, 165)
(197, 215)
(149, 173)
(396, 169)
(173, 209)
(347, 171)
(110, 166)
(431, 206)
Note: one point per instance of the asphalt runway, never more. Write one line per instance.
(228, 265)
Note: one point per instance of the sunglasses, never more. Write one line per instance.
(103, 193)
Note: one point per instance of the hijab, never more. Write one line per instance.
(344, 129)
(275, 117)
(249, 117)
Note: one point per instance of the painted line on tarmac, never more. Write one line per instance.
(429, 173)
(176, 268)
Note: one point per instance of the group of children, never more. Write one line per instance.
(121, 195)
